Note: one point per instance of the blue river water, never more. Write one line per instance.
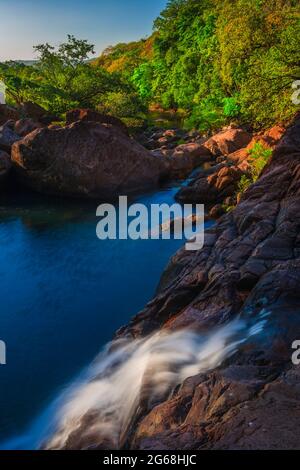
(63, 293)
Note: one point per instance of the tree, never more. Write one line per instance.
(61, 79)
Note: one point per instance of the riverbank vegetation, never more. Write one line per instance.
(214, 62)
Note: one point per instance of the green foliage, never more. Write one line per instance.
(122, 104)
(259, 156)
(244, 184)
(218, 60)
(20, 84)
(61, 79)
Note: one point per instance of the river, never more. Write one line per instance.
(63, 295)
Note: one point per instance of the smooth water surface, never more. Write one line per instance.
(63, 295)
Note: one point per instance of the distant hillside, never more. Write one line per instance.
(126, 57)
(26, 62)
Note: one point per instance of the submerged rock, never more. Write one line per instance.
(85, 159)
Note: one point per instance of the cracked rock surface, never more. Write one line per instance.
(250, 264)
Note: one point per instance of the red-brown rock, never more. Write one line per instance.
(249, 267)
(85, 159)
(228, 141)
(212, 188)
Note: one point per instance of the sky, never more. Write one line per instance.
(24, 23)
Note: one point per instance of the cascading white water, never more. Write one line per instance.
(141, 371)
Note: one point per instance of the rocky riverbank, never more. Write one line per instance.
(249, 269)
(93, 155)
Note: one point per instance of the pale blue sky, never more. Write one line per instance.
(24, 23)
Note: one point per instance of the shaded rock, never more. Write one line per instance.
(25, 126)
(8, 113)
(186, 158)
(33, 111)
(8, 136)
(197, 151)
(85, 159)
(212, 188)
(94, 116)
(216, 211)
(5, 167)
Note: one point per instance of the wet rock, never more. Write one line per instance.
(248, 269)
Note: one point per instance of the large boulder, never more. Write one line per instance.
(85, 159)
(93, 116)
(228, 141)
(8, 113)
(181, 161)
(211, 187)
(5, 167)
(8, 136)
